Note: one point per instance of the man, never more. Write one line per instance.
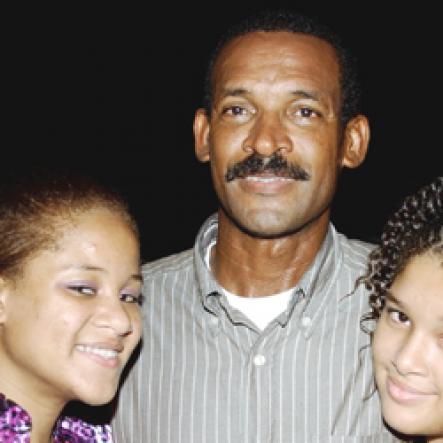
(253, 336)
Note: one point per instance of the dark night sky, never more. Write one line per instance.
(113, 93)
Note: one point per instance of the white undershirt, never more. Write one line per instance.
(260, 310)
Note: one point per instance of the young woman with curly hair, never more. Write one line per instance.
(406, 280)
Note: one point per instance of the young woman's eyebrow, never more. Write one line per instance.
(83, 267)
(390, 297)
(137, 277)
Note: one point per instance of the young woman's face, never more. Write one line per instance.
(70, 322)
(408, 349)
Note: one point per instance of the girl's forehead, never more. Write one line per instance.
(419, 288)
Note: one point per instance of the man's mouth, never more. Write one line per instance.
(267, 178)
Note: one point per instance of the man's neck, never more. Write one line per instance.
(253, 266)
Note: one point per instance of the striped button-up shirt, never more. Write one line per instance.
(206, 374)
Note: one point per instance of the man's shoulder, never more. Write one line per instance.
(171, 264)
(355, 252)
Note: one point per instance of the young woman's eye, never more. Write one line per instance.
(131, 298)
(397, 316)
(83, 289)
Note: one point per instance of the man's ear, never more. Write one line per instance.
(201, 135)
(355, 142)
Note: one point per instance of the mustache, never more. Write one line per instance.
(276, 164)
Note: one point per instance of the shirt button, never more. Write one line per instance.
(214, 321)
(306, 322)
(259, 360)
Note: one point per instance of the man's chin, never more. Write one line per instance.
(265, 228)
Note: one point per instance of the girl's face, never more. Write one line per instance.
(69, 323)
(408, 349)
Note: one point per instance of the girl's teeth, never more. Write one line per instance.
(104, 353)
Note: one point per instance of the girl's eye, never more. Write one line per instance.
(131, 298)
(84, 290)
(397, 316)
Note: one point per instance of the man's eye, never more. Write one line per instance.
(84, 290)
(234, 110)
(397, 316)
(307, 113)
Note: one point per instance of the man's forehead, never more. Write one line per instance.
(276, 42)
(277, 56)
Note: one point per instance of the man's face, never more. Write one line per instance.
(276, 104)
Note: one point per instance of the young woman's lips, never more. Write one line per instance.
(405, 394)
(104, 355)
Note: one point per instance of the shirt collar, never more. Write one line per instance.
(208, 285)
(320, 273)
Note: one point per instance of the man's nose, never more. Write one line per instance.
(267, 136)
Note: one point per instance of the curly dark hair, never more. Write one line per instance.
(416, 228)
(270, 20)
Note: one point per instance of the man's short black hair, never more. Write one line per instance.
(289, 21)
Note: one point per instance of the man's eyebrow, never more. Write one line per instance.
(234, 92)
(306, 94)
(299, 93)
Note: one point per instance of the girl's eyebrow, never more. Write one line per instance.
(83, 267)
(137, 277)
(390, 297)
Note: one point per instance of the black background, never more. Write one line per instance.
(112, 92)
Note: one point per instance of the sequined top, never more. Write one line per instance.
(15, 427)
